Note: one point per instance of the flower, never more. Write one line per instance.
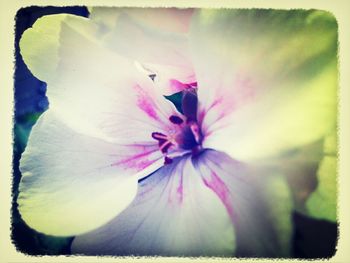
(127, 171)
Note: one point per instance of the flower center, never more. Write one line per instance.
(185, 135)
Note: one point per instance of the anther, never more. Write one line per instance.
(164, 147)
(176, 119)
(159, 136)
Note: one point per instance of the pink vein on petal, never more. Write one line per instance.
(135, 162)
(177, 86)
(175, 196)
(179, 189)
(219, 187)
(145, 103)
(226, 102)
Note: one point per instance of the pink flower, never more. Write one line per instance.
(116, 164)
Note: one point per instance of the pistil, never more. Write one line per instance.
(185, 136)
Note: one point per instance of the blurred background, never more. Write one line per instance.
(312, 238)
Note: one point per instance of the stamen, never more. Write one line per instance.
(165, 146)
(159, 136)
(190, 104)
(196, 132)
(187, 137)
(176, 119)
(161, 142)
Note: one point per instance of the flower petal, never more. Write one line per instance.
(95, 91)
(73, 183)
(259, 205)
(267, 79)
(174, 214)
(157, 38)
(145, 35)
(171, 20)
(39, 46)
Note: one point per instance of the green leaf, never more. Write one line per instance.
(322, 203)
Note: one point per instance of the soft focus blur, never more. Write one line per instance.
(30, 102)
(312, 238)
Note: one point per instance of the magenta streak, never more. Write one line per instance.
(179, 189)
(132, 161)
(192, 84)
(176, 196)
(215, 103)
(176, 85)
(221, 190)
(195, 131)
(244, 93)
(205, 111)
(201, 116)
(145, 103)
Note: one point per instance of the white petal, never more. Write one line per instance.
(259, 204)
(267, 79)
(169, 77)
(157, 38)
(142, 35)
(73, 183)
(174, 213)
(171, 20)
(94, 90)
(41, 55)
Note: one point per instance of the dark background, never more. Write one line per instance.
(312, 238)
